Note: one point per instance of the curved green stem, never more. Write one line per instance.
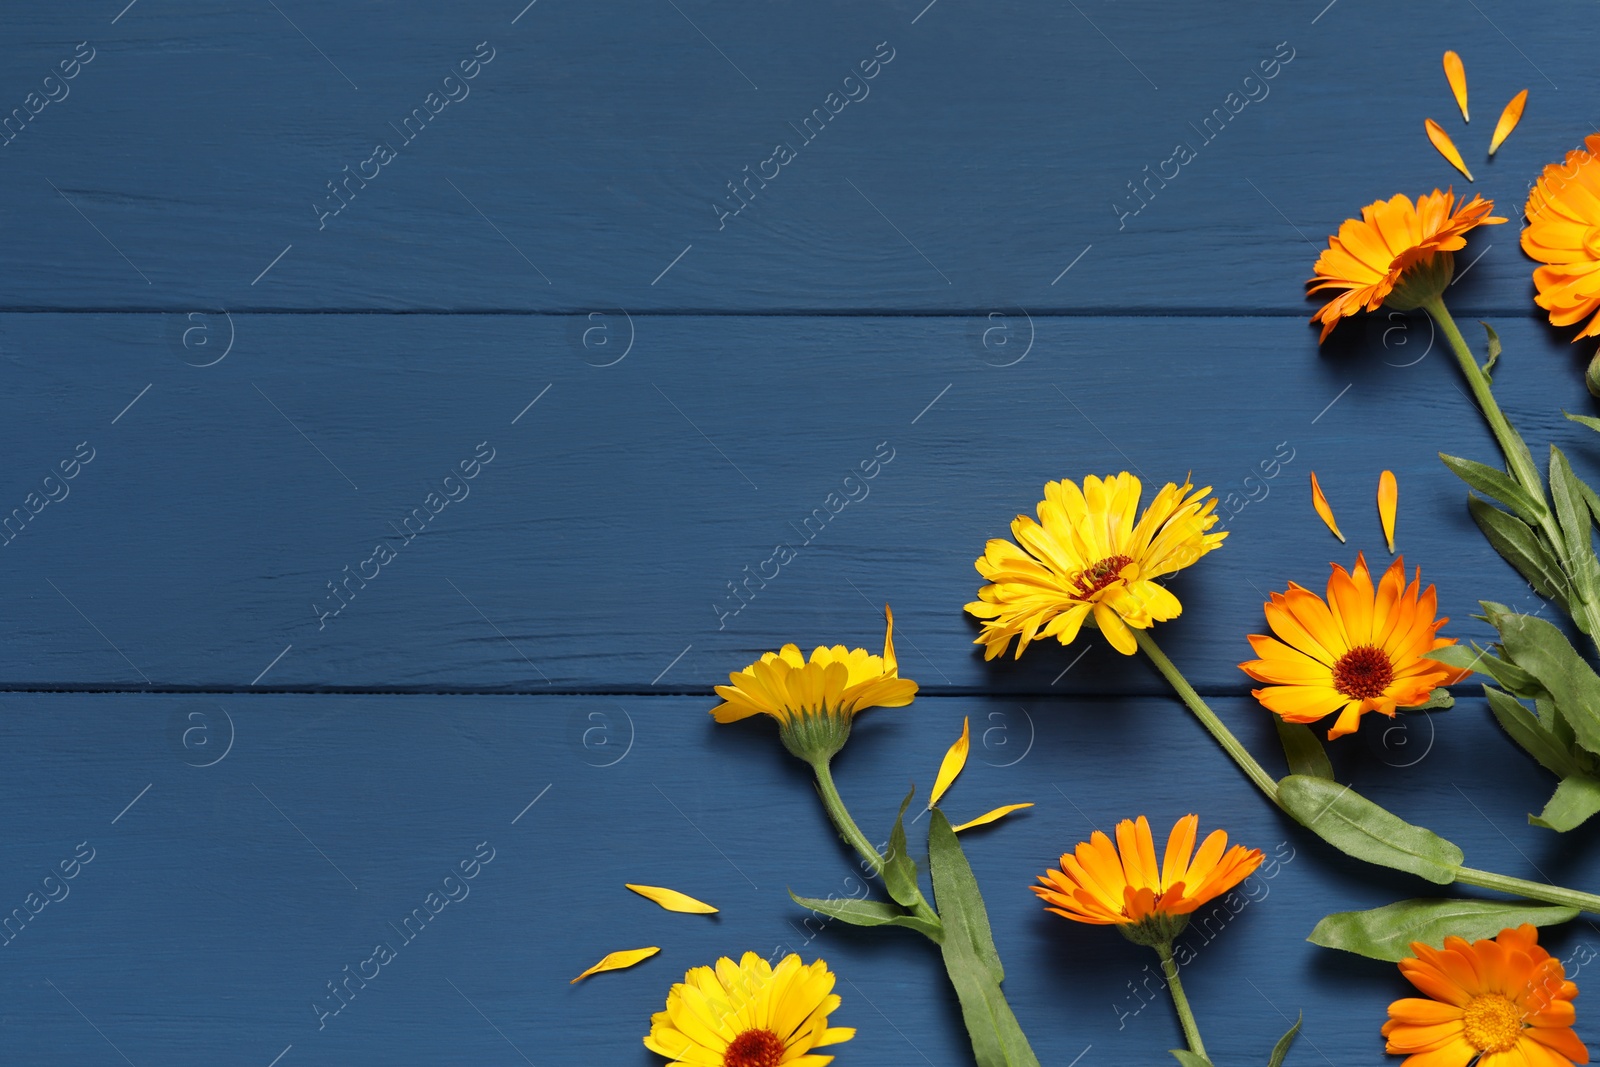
(1519, 887)
(1191, 1031)
(846, 825)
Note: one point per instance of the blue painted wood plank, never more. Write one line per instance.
(1001, 154)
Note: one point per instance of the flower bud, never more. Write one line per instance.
(1591, 377)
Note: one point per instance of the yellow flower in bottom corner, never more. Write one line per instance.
(749, 1014)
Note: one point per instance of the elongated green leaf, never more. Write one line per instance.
(956, 892)
(868, 913)
(1592, 423)
(1386, 933)
(1496, 484)
(1542, 650)
(900, 871)
(1189, 1059)
(1576, 798)
(1591, 500)
(1304, 752)
(1494, 348)
(1512, 678)
(1358, 827)
(1525, 730)
(1572, 515)
(1281, 1049)
(1520, 546)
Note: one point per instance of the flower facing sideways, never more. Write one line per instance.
(1563, 233)
(1362, 649)
(1506, 1001)
(1087, 555)
(749, 1014)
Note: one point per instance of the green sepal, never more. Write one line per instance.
(869, 913)
(1575, 800)
(899, 869)
(1525, 729)
(1543, 651)
(1438, 700)
(1281, 1049)
(1302, 749)
(1386, 933)
(1494, 348)
(1520, 546)
(1357, 827)
(1498, 485)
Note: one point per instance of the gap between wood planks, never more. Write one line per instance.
(1517, 312)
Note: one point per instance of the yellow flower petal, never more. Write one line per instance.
(954, 760)
(1508, 120)
(1388, 500)
(616, 961)
(990, 816)
(1456, 74)
(672, 900)
(1446, 147)
(1320, 502)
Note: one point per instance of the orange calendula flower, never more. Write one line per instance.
(1362, 649)
(1087, 555)
(1397, 254)
(1124, 885)
(1563, 233)
(1507, 1001)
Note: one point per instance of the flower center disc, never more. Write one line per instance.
(754, 1048)
(1492, 1023)
(1363, 673)
(1095, 578)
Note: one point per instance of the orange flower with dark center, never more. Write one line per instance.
(1395, 245)
(1563, 233)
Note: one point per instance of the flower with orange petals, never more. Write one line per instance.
(1499, 1003)
(1563, 234)
(1397, 254)
(1362, 649)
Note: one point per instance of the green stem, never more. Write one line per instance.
(1208, 718)
(1191, 1031)
(846, 825)
(1518, 887)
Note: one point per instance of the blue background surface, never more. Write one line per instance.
(951, 274)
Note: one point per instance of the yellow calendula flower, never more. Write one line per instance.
(1088, 556)
(815, 700)
(749, 1014)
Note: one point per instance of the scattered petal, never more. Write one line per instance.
(990, 816)
(1388, 500)
(672, 900)
(616, 961)
(954, 760)
(1446, 147)
(1457, 76)
(1508, 120)
(1320, 502)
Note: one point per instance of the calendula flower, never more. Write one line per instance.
(1123, 885)
(1362, 649)
(1506, 1000)
(1563, 233)
(1086, 554)
(815, 700)
(1397, 254)
(749, 1014)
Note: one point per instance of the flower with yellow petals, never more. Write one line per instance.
(1397, 254)
(1563, 234)
(1507, 1001)
(815, 700)
(1362, 649)
(1087, 555)
(749, 1014)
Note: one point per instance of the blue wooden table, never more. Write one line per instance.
(580, 311)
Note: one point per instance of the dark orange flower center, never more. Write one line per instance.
(1492, 1023)
(1095, 578)
(754, 1048)
(1363, 673)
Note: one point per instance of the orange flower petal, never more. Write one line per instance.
(1456, 74)
(950, 767)
(1446, 147)
(1320, 502)
(616, 961)
(1508, 120)
(990, 816)
(1388, 500)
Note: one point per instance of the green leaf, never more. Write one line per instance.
(1524, 729)
(1386, 933)
(1358, 827)
(1520, 546)
(1576, 798)
(900, 870)
(868, 913)
(1438, 700)
(1473, 658)
(1590, 499)
(1494, 348)
(1544, 652)
(1304, 752)
(1189, 1059)
(1572, 514)
(960, 903)
(1496, 484)
(1592, 423)
(1281, 1049)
